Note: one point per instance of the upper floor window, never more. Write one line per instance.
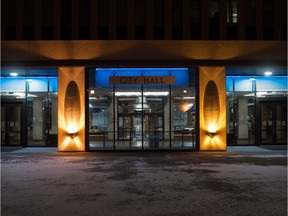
(232, 11)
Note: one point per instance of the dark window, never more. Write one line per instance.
(66, 20)
(177, 19)
(29, 14)
(28, 32)
(140, 19)
(232, 13)
(84, 19)
(121, 19)
(268, 19)
(213, 19)
(10, 21)
(158, 19)
(232, 19)
(10, 32)
(284, 19)
(47, 19)
(103, 13)
(47, 32)
(195, 16)
(250, 14)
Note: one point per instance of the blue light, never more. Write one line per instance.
(181, 74)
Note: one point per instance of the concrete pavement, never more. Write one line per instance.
(241, 181)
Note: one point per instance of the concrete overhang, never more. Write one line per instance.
(145, 53)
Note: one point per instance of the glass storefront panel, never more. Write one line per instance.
(36, 90)
(252, 116)
(184, 117)
(141, 116)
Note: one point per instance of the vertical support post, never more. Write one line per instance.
(71, 109)
(114, 119)
(212, 108)
(142, 116)
(170, 118)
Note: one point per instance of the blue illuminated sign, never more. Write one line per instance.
(181, 74)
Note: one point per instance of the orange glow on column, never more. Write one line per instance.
(212, 104)
(71, 109)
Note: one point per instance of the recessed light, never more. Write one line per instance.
(13, 74)
(268, 73)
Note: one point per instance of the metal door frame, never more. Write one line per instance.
(273, 102)
(23, 121)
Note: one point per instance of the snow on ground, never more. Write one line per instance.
(145, 183)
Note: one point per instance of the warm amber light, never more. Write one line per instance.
(185, 107)
(72, 127)
(212, 128)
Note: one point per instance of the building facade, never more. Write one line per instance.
(143, 74)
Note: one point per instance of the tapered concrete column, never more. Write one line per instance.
(71, 109)
(212, 108)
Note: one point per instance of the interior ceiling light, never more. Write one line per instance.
(139, 103)
(165, 93)
(127, 93)
(268, 73)
(14, 74)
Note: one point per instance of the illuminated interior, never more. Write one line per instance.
(136, 116)
(252, 109)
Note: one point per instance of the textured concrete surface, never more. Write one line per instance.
(144, 183)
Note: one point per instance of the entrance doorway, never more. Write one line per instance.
(273, 122)
(135, 126)
(12, 124)
(142, 109)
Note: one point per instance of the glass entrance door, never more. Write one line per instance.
(11, 124)
(273, 121)
(125, 126)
